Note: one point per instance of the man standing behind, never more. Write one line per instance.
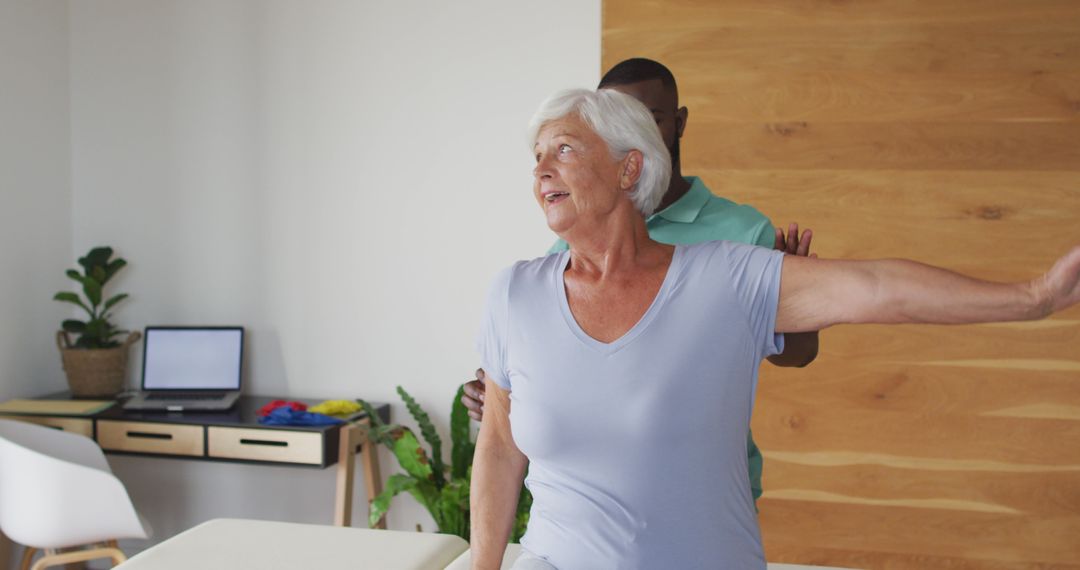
(689, 213)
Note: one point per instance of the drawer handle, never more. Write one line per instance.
(149, 435)
(269, 442)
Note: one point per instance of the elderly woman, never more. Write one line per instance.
(607, 320)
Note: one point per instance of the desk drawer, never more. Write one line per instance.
(70, 425)
(147, 437)
(266, 445)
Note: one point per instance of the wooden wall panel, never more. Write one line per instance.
(690, 14)
(944, 216)
(884, 146)
(966, 539)
(942, 131)
(879, 96)
(1019, 46)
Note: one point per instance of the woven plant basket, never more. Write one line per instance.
(95, 372)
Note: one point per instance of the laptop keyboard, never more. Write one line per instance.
(185, 396)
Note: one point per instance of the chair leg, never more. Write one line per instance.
(53, 558)
(115, 553)
(28, 555)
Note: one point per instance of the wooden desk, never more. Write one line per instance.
(235, 436)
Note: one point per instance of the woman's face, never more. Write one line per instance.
(575, 178)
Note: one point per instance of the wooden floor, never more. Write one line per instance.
(947, 132)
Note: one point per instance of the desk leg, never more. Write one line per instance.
(369, 452)
(352, 436)
(345, 473)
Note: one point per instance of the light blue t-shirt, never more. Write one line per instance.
(698, 216)
(645, 466)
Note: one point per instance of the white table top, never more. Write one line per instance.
(236, 544)
(265, 545)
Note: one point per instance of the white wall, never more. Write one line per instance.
(35, 196)
(341, 177)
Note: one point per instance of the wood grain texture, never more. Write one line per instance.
(947, 132)
(802, 145)
(787, 426)
(690, 14)
(1025, 45)
(941, 217)
(912, 531)
(883, 97)
(901, 561)
(953, 485)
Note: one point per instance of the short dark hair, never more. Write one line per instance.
(636, 70)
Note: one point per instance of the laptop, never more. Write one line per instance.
(190, 369)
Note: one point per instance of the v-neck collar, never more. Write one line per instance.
(609, 348)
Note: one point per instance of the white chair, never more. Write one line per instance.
(57, 492)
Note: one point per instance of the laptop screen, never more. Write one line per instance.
(189, 358)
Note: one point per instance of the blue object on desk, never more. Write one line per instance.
(285, 416)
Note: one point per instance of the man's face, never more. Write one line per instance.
(663, 103)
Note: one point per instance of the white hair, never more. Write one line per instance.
(625, 124)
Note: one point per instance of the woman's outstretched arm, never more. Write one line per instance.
(817, 293)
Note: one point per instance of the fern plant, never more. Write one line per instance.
(442, 489)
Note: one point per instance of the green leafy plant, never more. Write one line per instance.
(442, 489)
(96, 331)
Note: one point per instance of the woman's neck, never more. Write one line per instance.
(619, 244)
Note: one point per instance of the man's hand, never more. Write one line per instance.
(800, 349)
(473, 398)
(792, 244)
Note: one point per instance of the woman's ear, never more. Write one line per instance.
(630, 169)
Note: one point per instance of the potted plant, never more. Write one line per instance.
(442, 489)
(95, 363)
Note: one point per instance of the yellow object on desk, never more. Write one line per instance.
(336, 408)
(56, 407)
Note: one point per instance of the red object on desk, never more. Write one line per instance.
(265, 410)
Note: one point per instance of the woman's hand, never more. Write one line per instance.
(1059, 288)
